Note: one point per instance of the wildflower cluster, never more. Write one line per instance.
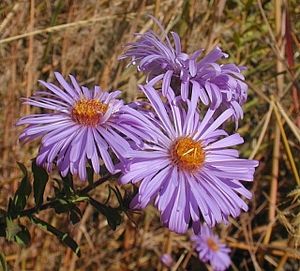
(181, 157)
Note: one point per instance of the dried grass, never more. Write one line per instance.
(85, 38)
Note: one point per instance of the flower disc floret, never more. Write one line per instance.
(212, 244)
(187, 154)
(88, 112)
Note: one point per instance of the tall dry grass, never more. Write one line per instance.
(85, 38)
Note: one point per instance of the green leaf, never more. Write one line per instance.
(76, 198)
(118, 195)
(62, 236)
(2, 216)
(68, 188)
(23, 168)
(112, 215)
(90, 175)
(2, 226)
(20, 198)
(62, 206)
(23, 236)
(16, 232)
(3, 264)
(40, 179)
(75, 215)
(11, 212)
(12, 229)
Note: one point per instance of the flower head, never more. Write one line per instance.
(210, 249)
(167, 260)
(220, 85)
(81, 125)
(154, 56)
(187, 168)
(216, 85)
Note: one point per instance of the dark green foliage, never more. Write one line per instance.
(2, 226)
(40, 179)
(90, 175)
(23, 237)
(62, 205)
(62, 236)
(64, 201)
(112, 215)
(20, 198)
(17, 232)
(3, 264)
(75, 215)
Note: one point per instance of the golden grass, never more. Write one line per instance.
(85, 38)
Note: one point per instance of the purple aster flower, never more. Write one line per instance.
(221, 86)
(82, 125)
(167, 260)
(158, 58)
(215, 84)
(188, 168)
(210, 249)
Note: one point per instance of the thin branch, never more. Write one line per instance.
(97, 183)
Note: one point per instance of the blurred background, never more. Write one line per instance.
(85, 38)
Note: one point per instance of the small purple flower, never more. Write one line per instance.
(167, 260)
(82, 125)
(188, 168)
(215, 84)
(211, 250)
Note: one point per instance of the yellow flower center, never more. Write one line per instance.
(187, 154)
(212, 245)
(88, 112)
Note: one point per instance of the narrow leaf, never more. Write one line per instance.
(62, 206)
(40, 179)
(23, 236)
(2, 226)
(68, 187)
(62, 236)
(16, 232)
(112, 215)
(3, 264)
(75, 215)
(12, 229)
(23, 168)
(90, 175)
(20, 198)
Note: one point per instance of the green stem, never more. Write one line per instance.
(51, 204)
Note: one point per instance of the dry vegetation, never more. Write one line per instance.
(85, 38)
